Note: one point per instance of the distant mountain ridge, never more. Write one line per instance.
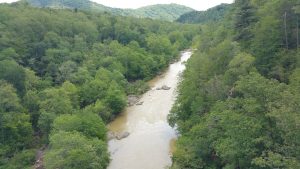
(163, 11)
(169, 12)
(213, 14)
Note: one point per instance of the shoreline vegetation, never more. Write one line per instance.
(141, 87)
(145, 124)
(65, 74)
(238, 105)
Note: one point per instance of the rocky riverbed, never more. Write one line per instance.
(141, 136)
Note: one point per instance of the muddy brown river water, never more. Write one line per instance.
(149, 144)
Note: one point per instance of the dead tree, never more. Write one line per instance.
(285, 30)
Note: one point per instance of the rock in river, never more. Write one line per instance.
(132, 100)
(140, 103)
(118, 136)
(164, 87)
(122, 135)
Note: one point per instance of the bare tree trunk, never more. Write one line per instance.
(285, 28)
(297, 31)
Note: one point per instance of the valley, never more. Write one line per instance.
(87, 86)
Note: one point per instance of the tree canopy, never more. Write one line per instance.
(66, 73)
(237, 106)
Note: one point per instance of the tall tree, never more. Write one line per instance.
(243, 21)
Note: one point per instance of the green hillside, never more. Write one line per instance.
(169, 12)
(162, 11)
(213, 14)
(65, 74)
(238, 105)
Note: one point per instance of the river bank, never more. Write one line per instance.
(148, 134)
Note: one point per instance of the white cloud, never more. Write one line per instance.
(8, 1)
(196, 4)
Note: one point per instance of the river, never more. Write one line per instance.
(149, 144)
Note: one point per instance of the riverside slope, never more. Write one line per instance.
(149, 144)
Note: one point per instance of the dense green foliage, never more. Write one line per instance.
(64, 74)
(73, 150)
(167, 12)
(214, 14)
(238, 105)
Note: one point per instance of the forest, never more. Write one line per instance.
(166, 12)
(64, 74)
(213, 14)
(238, 105)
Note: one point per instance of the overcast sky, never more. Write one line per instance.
(196, 4)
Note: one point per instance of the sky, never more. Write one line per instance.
(196, 4)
